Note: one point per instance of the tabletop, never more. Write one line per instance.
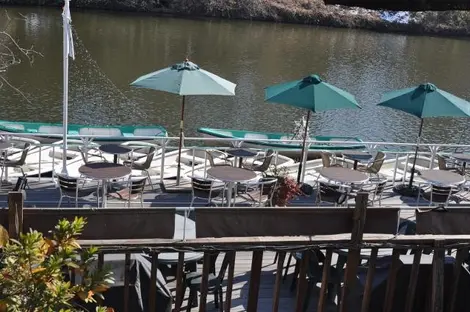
(4, 145)
(357, 155)
(442, 177)
(104, 170)
(461, 156)
(343, 175)
(239, 152)
(231, 174)
(115, 149)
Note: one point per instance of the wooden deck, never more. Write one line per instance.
(240, 290)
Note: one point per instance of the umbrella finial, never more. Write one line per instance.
(315, 79)
(428, 87)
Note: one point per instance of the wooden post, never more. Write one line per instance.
(231, 273)
(302, 282)
(410, 296)
(354, 253)
(204, 282)
(15, 214)
(369, 280)
(179, 282)
(461, 255)
(277, 284)
(359, 218)
(153, 282)
(437, 296)
(127, 280)
(324, 281)
(255, 278)
(391, 281)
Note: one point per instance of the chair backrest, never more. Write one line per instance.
(440, 193)
(150, 155)
(442, 163)
(267, 187)
(85, 157)
(377, 163)
(325, 159)
(68, 184)
(24, 154)
(20, 184)
(266, 162)
(137, 186)
(210, 157)
(201, 187)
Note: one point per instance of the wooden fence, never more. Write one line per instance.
(286, 230)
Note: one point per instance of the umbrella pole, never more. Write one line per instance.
(410, 185)
(180, 143)
(299, 174)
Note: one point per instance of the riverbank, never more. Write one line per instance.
(314, 12)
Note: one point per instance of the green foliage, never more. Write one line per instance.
(34, 270)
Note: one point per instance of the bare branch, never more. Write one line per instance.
(12, 53)
(15, 89)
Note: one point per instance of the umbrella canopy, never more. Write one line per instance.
(426, 100)
(185, 79)
(311, 93)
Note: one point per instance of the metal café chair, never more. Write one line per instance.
(133, 191)
(259, 193)
(434, 193)
(6, 163)
(70, 188)
(206, 189)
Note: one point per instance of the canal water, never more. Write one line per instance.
(113, 49)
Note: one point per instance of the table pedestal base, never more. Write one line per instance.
(406, 190)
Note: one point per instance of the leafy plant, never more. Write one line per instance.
(34, 272)
(286, 189)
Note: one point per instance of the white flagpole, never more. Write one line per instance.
(68, 50)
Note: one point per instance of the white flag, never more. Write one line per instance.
(67, 20)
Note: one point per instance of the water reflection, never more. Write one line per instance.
(113, 49)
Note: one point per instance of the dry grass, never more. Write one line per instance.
(313, 12)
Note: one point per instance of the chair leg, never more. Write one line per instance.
(60, 202)
(294, 278)
(150, 180)
(276, 257)
(221, 299)
(287, 267)
(216, 299)
(192, 296)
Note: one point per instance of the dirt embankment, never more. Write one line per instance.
(313, 12)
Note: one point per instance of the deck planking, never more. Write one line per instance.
(287, 298)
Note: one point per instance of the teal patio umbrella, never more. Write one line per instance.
(424, 101)
(312, 94)
(185, 79)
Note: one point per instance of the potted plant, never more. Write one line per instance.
(32, 272)
(286, 189)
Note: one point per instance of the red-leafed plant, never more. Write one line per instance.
(286, 189)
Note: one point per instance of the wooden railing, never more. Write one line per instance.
(334, 229)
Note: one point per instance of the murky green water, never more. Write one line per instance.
(113, 49)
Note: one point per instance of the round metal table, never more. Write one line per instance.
(462, 157)
(442, 177)
(343, 175)
(357, 156)
(240, 154)
(115, 149)
(231, 175)
(104, 171)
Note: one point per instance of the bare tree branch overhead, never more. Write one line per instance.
(12, 52)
